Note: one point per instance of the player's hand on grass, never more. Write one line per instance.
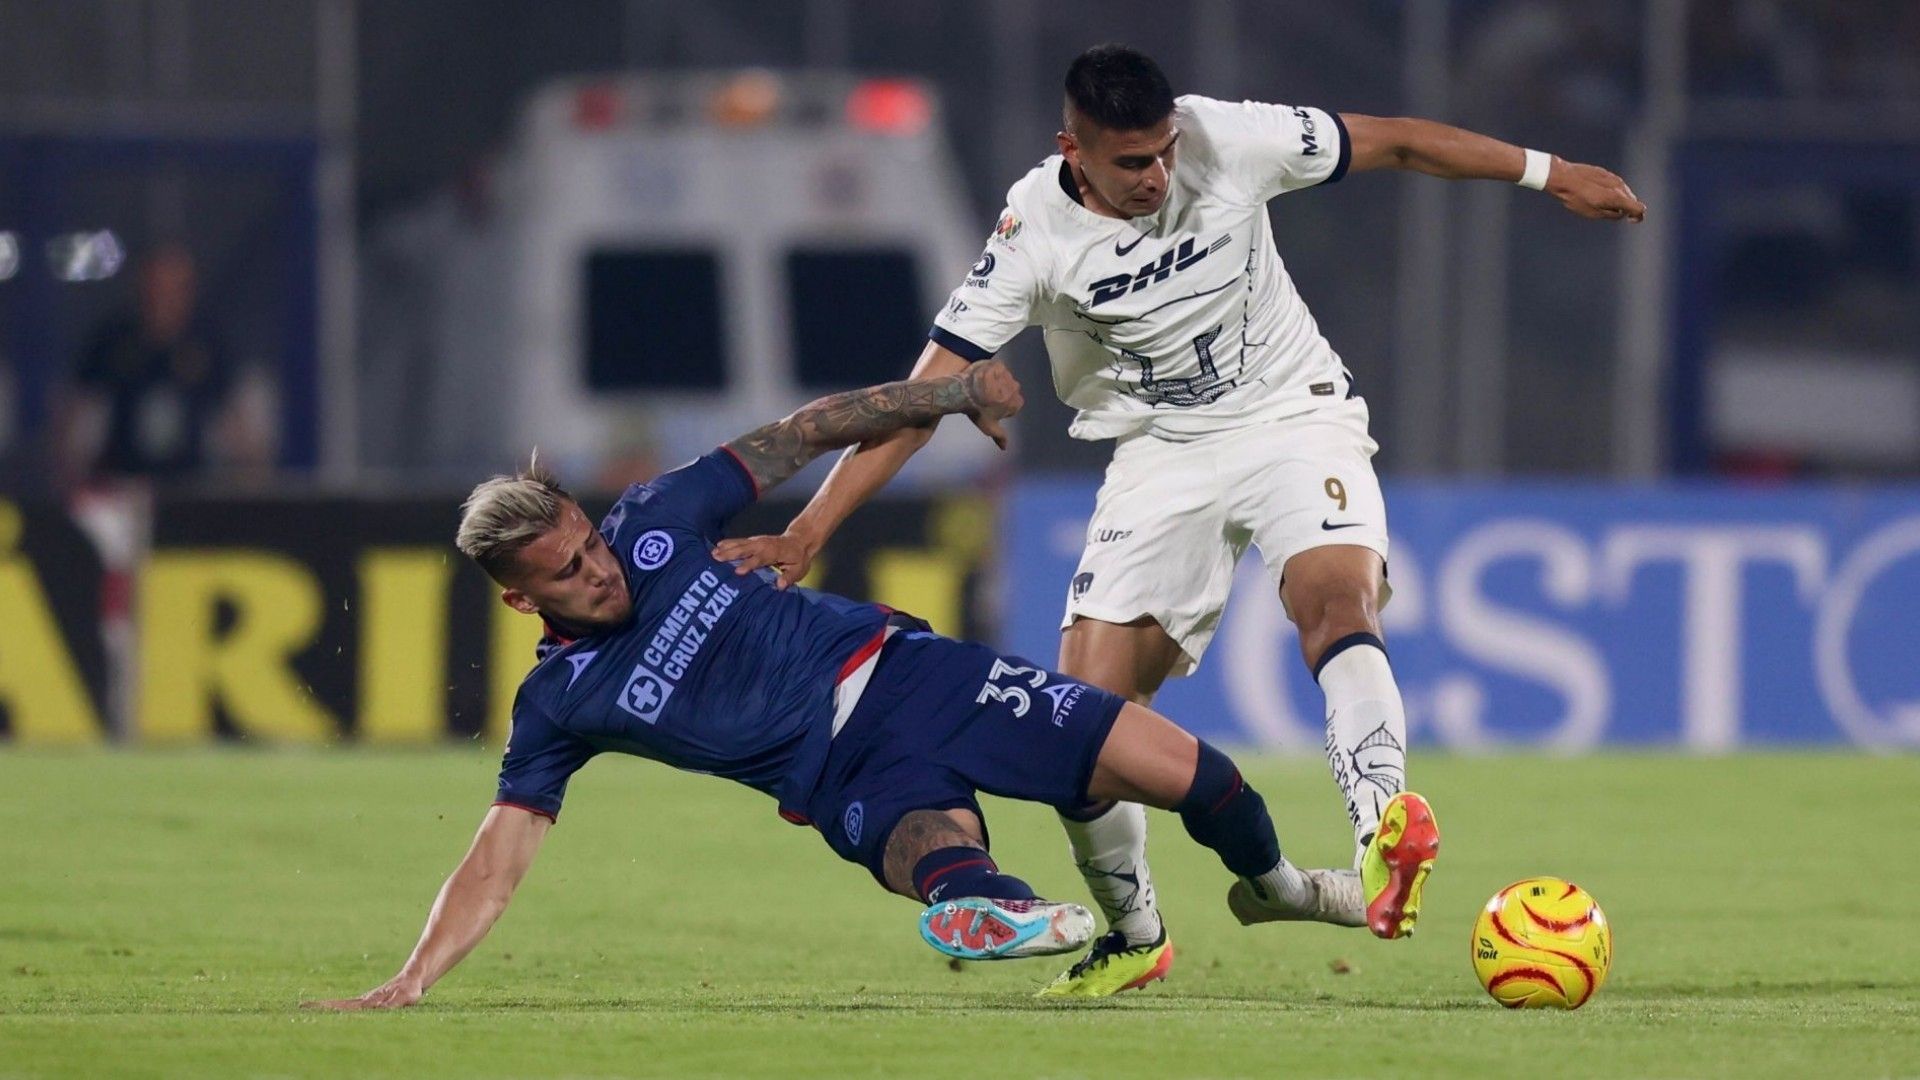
(396, 993)
(1593, 192)
(997, 396)
(789, 556)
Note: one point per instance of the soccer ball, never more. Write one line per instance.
(1542, 943)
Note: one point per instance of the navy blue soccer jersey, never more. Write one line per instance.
(714, 672)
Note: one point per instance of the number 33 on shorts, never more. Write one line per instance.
(1015, 696)
(1009, 684)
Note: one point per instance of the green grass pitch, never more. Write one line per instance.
(163, 913)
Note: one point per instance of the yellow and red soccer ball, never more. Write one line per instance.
(1542, 943)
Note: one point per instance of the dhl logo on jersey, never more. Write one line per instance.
(1170, 262)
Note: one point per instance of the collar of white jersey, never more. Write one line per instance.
(1145, 225)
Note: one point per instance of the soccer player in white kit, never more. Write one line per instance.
(1144, 253)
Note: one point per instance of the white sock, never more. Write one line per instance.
(1366, 735)
(1285, 883)
(1111, 852)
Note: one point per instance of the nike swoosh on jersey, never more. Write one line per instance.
(1330, 526)
(1118, 250)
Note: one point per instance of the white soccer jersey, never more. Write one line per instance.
(1180, 323)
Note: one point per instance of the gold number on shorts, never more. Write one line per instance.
(1336, 491)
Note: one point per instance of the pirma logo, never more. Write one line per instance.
(855, 819)
(1065, 696)
(652, 550)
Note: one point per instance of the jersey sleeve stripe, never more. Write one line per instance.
(954, 343)
(860, 656)
(548, 814)
(744, 471)
(1346, 151)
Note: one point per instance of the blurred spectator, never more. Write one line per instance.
(1875, 50)
(1805, 49)
(1529, 63)
(1753, 48)
(155, 395)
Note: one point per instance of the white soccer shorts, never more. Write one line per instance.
(1173, 518)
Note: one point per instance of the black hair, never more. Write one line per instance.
(1118, 88)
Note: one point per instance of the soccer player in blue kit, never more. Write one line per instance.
(857, 719)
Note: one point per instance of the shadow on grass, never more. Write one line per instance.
(720, 1003)
(1757, 988)
(728, 1005)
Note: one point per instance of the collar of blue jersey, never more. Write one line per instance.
(552, 639)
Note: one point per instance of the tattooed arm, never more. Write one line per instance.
(777, 451)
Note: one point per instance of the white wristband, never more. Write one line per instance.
(1539, 163)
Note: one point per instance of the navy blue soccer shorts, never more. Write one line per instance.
(942, 720)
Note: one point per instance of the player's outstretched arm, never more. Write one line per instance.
(860, 472)
(1458, 154)
(470, 901)
(986, 390)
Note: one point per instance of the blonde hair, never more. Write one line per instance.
(504, 514)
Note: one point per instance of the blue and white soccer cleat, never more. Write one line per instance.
(981, 928)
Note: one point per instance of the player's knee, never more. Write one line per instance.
(1333, 610)
(1130, 659)
(1342, 603)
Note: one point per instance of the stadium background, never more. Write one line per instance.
(1651, 488)
(1650, 485)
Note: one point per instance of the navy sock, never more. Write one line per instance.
(1223, 813)
(954, 872)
